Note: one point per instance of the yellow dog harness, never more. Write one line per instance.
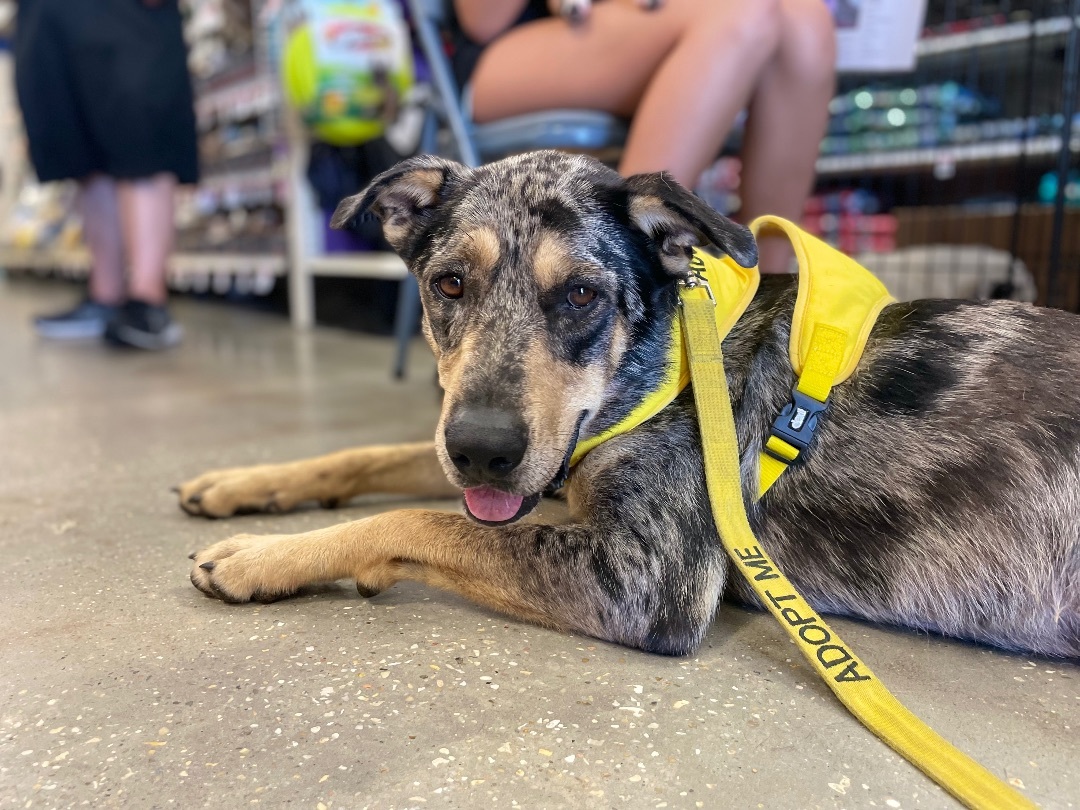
(836, 308)
(837, 305)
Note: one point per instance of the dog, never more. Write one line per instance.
(941, 493)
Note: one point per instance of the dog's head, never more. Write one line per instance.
(548, 287)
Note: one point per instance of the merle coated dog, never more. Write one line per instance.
(942, 491)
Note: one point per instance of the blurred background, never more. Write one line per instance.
(950, 172)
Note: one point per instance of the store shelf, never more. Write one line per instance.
(358, 265)
(261, 177)
(991, 35)
(243, 99)
(903, 159)
(73, 262)
(76, 263)
(268, 264)
(238, 68)
(243, 187)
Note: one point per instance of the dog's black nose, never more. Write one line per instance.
(486, 443)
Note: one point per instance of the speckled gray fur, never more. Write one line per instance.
(943, 489)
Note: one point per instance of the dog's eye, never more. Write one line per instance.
(580, 296)
(449, 286)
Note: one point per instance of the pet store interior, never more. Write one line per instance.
(948, 167)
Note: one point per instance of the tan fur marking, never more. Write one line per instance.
(450, 366)
(653, 217)
(651, 214)
(555, 394)
(421, 185)
(415, 189)
(481, 248)
(551, 262)
(620, 341)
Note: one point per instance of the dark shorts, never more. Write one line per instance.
(464, 53)
(104, 89)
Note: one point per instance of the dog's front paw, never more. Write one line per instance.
(222, 493)
(246, 568)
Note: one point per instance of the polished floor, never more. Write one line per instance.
(122, 686)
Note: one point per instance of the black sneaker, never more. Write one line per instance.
(143, 326)
(85, 321)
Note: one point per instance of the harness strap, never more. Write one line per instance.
(795, 426)
(836, 308)
(849, 678)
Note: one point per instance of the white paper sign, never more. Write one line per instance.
(876, 35)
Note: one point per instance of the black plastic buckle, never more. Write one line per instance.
(796, 423)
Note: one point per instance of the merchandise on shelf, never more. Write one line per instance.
(42, 218)
(871, 119)
(1048, 188)
(983, 22)
(850, 220)
(346, 67)
(220, 36)
(230, 228)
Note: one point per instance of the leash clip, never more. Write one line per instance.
(693, 281)
(797, 423)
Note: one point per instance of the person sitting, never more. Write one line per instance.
(682, 70)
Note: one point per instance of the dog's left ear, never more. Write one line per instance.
(403, 198)
(677, 220)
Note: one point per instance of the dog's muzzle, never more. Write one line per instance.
(486, 445)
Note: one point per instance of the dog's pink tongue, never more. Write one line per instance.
(492, 505)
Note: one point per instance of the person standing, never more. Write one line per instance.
(107, 101)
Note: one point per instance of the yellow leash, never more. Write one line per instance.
(852, 681)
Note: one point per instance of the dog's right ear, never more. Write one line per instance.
(403, 198)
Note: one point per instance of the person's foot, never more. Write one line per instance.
(87, 320)
(143, 326)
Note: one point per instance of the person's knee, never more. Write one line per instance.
(808, 42)
(744, 25)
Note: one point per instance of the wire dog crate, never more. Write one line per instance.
(958, 179)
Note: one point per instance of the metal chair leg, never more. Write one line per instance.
(405, 321)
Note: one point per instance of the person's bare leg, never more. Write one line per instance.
(700, 87)
(788, 116)
(100, 212)
(683, 71)
(147, 217)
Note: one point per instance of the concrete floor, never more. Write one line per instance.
(121, 685)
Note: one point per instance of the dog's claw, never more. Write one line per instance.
(196, 498)
(193, 555)
(174, 490)
(207, 566)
